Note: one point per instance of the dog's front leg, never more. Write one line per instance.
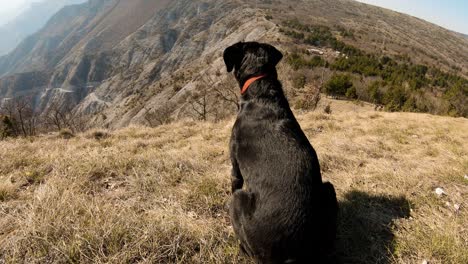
(236, 177)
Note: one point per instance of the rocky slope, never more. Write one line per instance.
(119, 61)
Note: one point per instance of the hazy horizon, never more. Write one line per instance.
(449, 14)
(19, 19)
(11, 9)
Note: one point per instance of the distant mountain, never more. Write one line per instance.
(120, 60)
(33, 17)
(8, 15)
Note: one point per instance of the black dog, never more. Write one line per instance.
(285, 213)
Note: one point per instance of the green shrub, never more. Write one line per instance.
(410, 105)
(327, 109)
(375, 95)
(395, 98)
(7, 127)
(297, 61)
(351, 93)
(456, 96)
(338, 85)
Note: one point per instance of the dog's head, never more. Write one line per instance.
(250, 58)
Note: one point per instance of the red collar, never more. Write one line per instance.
(250, 81)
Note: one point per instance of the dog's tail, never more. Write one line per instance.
(329, 198)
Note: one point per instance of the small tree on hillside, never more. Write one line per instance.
(7, 128)
(395, 98)
(375, 95)
(58, 117)
(338, 85)
(22, 118)
(456, 96)
(351, 93)
(201, 103)
(228, 93)
(311, 98)
(225, 90)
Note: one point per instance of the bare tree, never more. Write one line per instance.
(56, 117)
(64, 117)
(312, 97)
(314, 93)
(210, 96)
(224, 90)
(201, 103)
(78, 121)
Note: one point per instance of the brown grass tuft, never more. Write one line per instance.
(66, 134)
(7, 191)
(98, 134)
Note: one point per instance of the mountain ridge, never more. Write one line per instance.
(118, 73)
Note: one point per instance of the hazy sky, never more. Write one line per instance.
(9, 9)
(451, 14)
(10, 4)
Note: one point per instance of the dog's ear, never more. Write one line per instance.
(274, 55)
(233, 56)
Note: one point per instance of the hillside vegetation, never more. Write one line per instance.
(394, 82)
(159, 195)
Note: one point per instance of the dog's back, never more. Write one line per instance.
(285, 213)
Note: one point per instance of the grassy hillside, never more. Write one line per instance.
(158, 195)
(379, 30)
(394, 82)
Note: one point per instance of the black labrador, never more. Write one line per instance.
(281, 210)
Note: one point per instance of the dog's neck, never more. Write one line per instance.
(250, 81)
(249, 73)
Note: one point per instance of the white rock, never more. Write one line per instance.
(447, 204)
(439, 191)
(192, 214)
(466, 177)
(425, 262)
(457, 207)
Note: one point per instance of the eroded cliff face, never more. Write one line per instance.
(122, 58)
(74, 52)
(174, 56)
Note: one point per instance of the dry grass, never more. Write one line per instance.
(159, 195)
